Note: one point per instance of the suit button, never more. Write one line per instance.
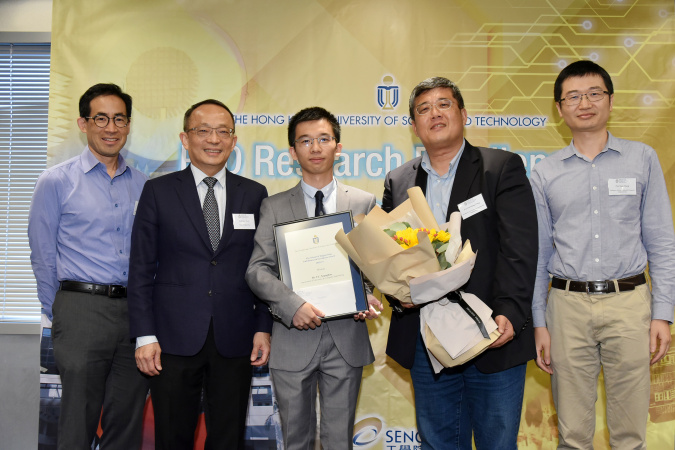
(210, 293)
(213, 263)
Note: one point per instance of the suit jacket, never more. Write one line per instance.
(505, 237)
(177, 284)
(293, 349)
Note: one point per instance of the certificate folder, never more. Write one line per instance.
(316, 268)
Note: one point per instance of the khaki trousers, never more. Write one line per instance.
(589, 331)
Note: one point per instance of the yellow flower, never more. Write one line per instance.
(440, 235)
(406, 238)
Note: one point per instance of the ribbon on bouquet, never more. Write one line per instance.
(456, 297)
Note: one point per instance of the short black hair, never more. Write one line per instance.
(99, 90)
(311, 114)
(208, 101)
(433, 83)
(581, 68)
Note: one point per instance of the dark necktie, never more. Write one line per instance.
(211, 213)
(319, 211)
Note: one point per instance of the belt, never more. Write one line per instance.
(109, 290)
(599, 287)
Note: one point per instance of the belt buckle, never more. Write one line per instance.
(114, 292)
(599, 287)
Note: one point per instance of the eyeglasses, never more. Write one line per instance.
(591, 96)
(323, 141)
(204, 131)
(441, 105)
(102, 121)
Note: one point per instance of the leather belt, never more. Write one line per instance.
(109, 290)
(599, 287)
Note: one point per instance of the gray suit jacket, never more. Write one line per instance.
(292, 349)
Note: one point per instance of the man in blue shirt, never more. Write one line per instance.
(603, 213)
(79, 232)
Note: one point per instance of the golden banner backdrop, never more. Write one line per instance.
(360, 59)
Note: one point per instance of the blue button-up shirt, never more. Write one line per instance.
(585, 234)
(439, 187)
(79, 226)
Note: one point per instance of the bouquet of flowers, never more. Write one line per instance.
(407, 255)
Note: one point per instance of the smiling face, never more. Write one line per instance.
(439, 129)
(209, 154)
(316, 160)
(105, 143)
(587, 116)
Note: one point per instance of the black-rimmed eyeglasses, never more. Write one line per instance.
(102, 121)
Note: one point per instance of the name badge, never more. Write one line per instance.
(135, 207)
(243, 221)
(472, 206)
(622, 186)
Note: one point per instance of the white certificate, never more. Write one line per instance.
(316, 267)
(319, 267)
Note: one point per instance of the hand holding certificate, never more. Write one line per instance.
(317, 268)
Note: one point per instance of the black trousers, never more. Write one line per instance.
(95, 358)
(176, 393)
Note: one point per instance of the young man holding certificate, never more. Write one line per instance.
(307, 353)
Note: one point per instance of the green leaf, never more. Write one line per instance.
(443, 262)
(391, 233)
(399, 226)
(442, 248)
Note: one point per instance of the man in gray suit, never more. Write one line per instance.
(306, 353)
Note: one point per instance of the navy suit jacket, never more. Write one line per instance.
(177, 284)
(505, 237)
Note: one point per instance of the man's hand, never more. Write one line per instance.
(147, 359)
(373, 305)
(506, 329)
(408, 305)
(659, 330)
(542, 340)
(261, 349)
(307, 316)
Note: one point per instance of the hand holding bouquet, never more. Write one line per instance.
(407, 255)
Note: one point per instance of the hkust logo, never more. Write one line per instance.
(315, 239)
(387, 94)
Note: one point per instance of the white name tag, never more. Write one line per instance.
(472, 206)
(622, 186)
(135, 207)
(243, 221)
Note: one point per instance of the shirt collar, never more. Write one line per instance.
(570, 150)
(89, 161)
(311, 191)
(199, 175)
(426, 162)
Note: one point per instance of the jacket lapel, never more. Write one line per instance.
(234, 198)
(342, 197)
(186, 190)
(468, 168)
(420, 176)
(297, 202)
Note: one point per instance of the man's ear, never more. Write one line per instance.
(82, 124)
(338, 151)
(294, 155)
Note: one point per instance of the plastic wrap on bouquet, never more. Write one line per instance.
(451, 336)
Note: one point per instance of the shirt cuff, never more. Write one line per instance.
(662, 311)
(539, 318)
(145, 340)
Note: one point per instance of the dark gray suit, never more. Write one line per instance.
(295, 352)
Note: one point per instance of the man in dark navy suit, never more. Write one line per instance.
(490, 188)
(196, 321)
